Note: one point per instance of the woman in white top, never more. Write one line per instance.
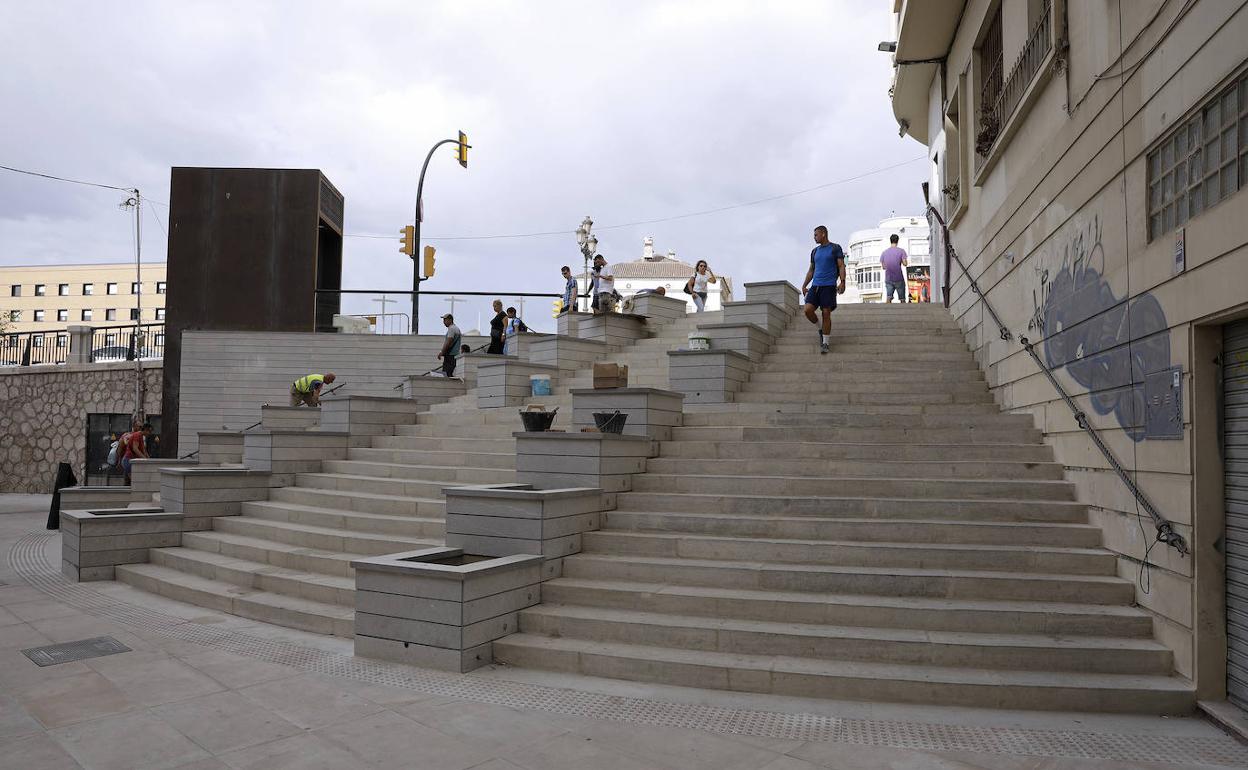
(696, 285)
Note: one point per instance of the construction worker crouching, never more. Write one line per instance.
(307, 389)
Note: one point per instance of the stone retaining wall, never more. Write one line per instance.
(43, 415)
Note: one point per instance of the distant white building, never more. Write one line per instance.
(654, 270)
(866, 277)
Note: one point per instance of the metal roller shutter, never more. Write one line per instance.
(1235, 457)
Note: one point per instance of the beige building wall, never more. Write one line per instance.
(1054, 227)
(64, 297)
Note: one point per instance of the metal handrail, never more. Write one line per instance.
(1165, 529)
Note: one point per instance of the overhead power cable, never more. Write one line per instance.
(64, 179)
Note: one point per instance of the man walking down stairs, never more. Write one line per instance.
(866, 525)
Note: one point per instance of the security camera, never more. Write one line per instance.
(887, 47)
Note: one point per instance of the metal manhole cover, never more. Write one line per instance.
(68, 652)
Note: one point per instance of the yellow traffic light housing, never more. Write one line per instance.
(408, 240)
(429, 261)
(461, 149)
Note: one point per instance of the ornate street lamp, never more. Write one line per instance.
(588, 242)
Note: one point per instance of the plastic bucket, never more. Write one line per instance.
(537, 422)
(698, 342)
(539, 384)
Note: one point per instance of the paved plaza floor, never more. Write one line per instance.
(201, 689)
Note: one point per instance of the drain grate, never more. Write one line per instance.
(68, 652)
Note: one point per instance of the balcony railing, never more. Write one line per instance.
(127, 343)
(107, 343)
(34, 348)
(1000, 99)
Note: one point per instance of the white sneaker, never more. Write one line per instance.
(823, 347)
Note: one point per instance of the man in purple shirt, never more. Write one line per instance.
(894, 262)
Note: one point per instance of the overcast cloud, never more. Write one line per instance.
(624, 111)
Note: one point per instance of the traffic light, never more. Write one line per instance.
(461, 149)
(556, 308)
(429, 265)
(408, 240)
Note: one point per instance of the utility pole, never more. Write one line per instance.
(453, 299)
(462, 157)
(383, 302)
(520, 308)
(136, 339)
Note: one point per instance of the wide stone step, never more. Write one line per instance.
(373, 484)
(1001, 651)
(817, 365)
(390, 505)
(832, 416)
(757, 484)
(321, 538)
(312, 586)
(850, 553)
(865, 530)
(879, 346)
(288, 611)
(350, 521)
(933, 614)
(798, 450)
(983, 435)
(851, 680)
(442, 474)
(448, 443)
(857, 506)
(499, 432)
(903, 386)
(285, 555)
(849, 353)
(916, 400)
(885, 466)
(381, 461)
(936, 378)
(931, 583)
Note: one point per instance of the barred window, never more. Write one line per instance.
(1200, 163)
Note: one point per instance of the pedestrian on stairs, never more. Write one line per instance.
(307, 389)
(497, 323)
(697, 285)
(452, 346)
(894, 261)
(827, 272)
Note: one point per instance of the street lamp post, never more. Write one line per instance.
(588, 242)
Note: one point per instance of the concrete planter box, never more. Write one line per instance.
(570, 354)
(220, 447)
(749, 339)
(616, 329)
(274, 417)
(200, 494)
(82, 498)
(440, 607)
(145, 474)
(765, 314)
(505, 381)
(651, 412)
(660, 310)
(428, 390)
(707, 376)
(506, 519)
(569, 324)
(364, 416)
(284, 453)
(602, 460)
(782, 294)
(93, 542)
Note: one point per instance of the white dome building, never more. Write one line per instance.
(866, 278)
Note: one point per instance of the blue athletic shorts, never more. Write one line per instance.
(822, 296)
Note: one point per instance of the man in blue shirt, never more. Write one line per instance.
(827, 271)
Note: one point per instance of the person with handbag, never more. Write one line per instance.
(497, 324)
(696, 286)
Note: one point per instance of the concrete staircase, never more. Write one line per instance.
(861, 525)
(287, 560)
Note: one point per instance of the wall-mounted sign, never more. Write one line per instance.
(1180, 250)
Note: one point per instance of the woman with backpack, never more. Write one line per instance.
(696, 285)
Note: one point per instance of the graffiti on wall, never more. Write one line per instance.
(1107, 344)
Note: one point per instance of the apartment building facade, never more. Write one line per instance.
(862, 261)
(1090, 161)
(46, 298)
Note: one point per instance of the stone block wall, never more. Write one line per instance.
(43, 415)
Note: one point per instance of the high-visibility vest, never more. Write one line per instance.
(307, 384)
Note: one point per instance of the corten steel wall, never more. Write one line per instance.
(226, 376)
(43, 416)
(246, 248)
(1055, 232)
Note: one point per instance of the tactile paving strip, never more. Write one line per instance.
(29, 558)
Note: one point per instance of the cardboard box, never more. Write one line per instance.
(607, 375)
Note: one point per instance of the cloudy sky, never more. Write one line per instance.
(623, 111)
